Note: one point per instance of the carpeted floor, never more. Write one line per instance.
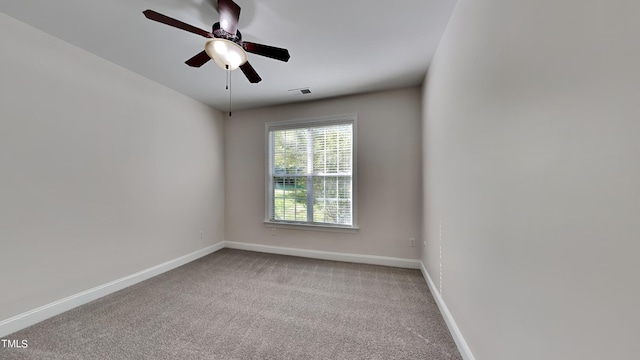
(236, 304)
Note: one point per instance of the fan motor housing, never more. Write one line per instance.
(221, 33)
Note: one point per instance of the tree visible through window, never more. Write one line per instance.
(311, 173)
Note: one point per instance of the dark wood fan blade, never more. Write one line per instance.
(155, 16)
(229, 15)
(198, 60)
(250, 73)
(266, 50)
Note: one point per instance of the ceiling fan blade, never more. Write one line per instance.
(198, 60)
(229, 15)
(266, 50)
(155, 16)
(250, 73)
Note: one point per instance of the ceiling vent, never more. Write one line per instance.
(301, 91)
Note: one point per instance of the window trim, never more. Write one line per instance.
(305, 123)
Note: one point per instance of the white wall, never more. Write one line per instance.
(389, 185)
(102, 173)
(531, 166)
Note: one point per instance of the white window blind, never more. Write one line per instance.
(311, 172)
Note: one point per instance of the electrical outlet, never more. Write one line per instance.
(201, 234)
(412, 242)
(424, 244)
(274, 231)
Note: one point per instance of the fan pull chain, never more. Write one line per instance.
(229, 91)
(226, 87)
(229, 86)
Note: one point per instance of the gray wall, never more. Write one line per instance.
(389, 185)
(102, 173)
(532, 177)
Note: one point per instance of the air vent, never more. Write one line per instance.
(301, 91)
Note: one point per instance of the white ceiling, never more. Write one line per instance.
(337, 47)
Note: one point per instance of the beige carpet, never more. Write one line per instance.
(244, 305)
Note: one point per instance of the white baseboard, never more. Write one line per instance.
(326, 255)
(26, 319)
(463, 347)
(34, 316)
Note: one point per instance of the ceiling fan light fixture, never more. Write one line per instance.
(225, 53)
(224, 43)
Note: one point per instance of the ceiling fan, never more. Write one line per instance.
(225, 45)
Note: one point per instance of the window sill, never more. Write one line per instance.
(285, 225)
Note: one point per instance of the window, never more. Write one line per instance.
(311, 172)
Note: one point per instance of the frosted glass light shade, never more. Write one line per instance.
(225, 52)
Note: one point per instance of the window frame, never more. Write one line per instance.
(269, 184)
